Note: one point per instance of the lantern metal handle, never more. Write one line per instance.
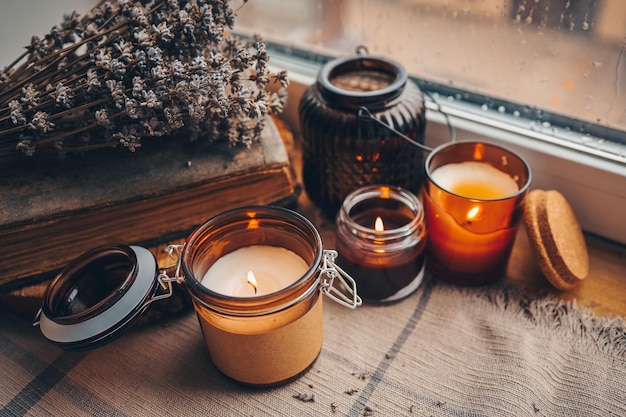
(331, 273)
(364, 113)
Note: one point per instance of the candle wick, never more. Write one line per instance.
(252, 281)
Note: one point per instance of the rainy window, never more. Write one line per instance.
(566, 58)
(563, 61)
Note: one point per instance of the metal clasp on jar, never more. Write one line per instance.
(345, 293)
(331, 272)
(165, 280)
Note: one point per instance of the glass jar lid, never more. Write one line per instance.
(98, 296)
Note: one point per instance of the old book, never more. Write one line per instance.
(52, 211)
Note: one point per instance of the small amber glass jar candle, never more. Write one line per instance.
(381, 237)
(473, 199)
(253, 335)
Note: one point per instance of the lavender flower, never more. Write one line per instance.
(151, 68)
(63, 95)
(41, 123)
(103, 118)
(17, 116)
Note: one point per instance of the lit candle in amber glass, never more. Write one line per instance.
(253, 271)
(473, 199)
(253, 277)
(381, 235)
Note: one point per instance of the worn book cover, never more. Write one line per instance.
(52, 211)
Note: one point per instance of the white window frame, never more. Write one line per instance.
(589, 170)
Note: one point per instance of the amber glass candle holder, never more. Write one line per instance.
(272, 338)
(473, 198)
(381, 237)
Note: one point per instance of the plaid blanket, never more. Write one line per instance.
(444, 351)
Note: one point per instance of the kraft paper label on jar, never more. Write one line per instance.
(269, 357)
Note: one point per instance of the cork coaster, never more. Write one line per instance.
(556, 238)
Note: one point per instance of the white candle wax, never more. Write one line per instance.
(474, 179)
(274, 268)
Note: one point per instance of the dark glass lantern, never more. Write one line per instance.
(344, 148)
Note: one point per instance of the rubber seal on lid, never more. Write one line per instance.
(98, 296)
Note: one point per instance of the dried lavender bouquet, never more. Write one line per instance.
(130, 70)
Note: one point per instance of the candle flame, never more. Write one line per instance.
(473, 213)
(252, 280)
(479, 152)
(378, 224)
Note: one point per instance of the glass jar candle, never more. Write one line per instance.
(474, 200)
(254, 274)
(255, 336)
(342, 150)
(381, 237)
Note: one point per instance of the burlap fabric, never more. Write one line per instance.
(444, 351)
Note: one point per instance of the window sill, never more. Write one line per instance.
(588, 171)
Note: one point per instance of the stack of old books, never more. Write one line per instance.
(52, 211)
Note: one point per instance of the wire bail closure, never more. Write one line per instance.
(346, 295)
(330, 271)
(165, 280)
